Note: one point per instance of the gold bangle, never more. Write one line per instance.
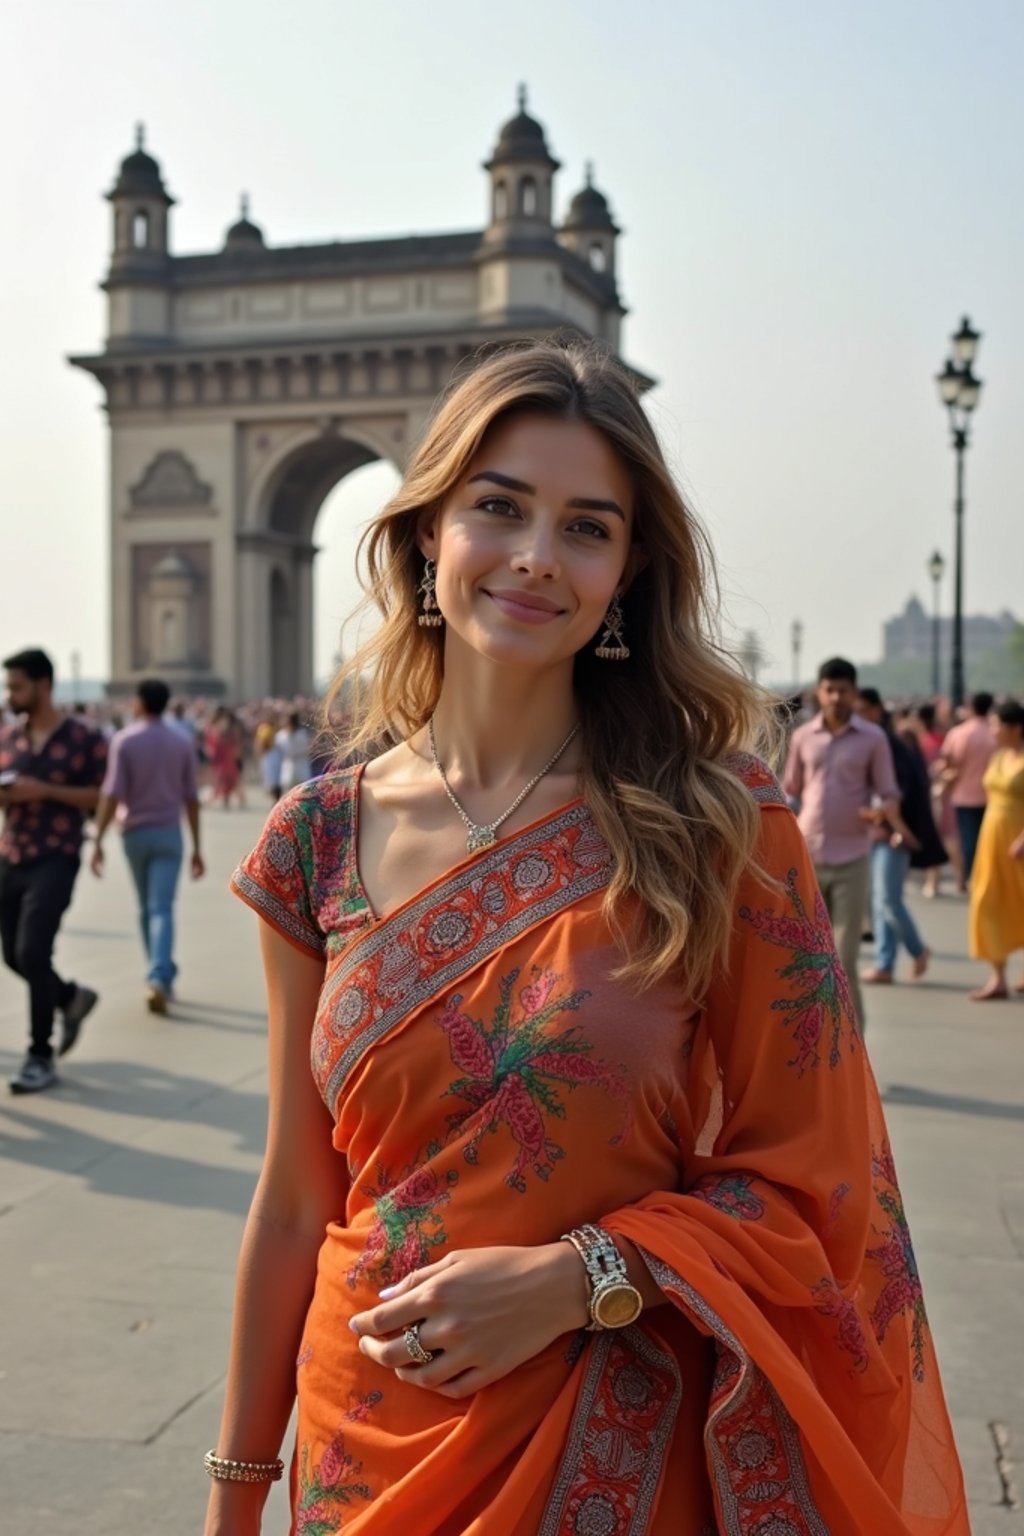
(225, 1470)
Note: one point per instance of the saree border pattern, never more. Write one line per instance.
(751, 1441)
(271, 906)
(395, 967)
(621, 1430)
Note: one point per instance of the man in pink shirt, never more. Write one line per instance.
(840, 774)
(966, 753)
(150, 785)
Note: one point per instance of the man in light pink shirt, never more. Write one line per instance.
(966, 753)
(150, 784)
(838, 766)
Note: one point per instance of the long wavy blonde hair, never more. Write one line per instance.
(657, 730)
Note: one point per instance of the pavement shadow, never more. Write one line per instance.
(247, 1021)
(153, 1094)
(131, 1173)
(959, 1104)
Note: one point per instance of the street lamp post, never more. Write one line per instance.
(796, 638)
(959, 392)
(936, 570)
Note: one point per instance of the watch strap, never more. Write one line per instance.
(605, 1266)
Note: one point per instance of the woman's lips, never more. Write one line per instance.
(524, 607)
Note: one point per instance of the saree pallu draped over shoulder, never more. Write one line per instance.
(491, 1083)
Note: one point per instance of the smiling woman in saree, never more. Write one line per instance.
(578, 1213)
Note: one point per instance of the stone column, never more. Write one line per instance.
(253, 614)
(303, 616)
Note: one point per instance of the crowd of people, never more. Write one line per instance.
(881, 791)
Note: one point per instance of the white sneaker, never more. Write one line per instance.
(34, 1075)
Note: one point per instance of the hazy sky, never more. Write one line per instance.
(812, 193)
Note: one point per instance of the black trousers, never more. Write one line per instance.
(968, 825)
(33, 899)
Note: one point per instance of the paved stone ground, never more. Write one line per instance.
(122, 1195)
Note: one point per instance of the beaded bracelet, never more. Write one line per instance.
(228, 1471)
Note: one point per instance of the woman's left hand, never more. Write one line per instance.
(482, 1312)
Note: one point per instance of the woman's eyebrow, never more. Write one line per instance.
(583, 503)
(505, 480)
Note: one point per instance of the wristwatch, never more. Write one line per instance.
(614, 1302)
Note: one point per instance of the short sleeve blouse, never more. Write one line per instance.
(302, 877)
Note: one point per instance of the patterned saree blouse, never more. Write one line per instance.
(490, 1082)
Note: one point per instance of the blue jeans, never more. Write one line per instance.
(890, 918)
(154, 858)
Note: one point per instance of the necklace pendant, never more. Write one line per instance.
(481, 837)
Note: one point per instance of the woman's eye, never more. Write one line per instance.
(499, 504)
(590, 528)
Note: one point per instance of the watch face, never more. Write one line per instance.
(617, 1306)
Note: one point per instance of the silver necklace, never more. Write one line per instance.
(486, 836)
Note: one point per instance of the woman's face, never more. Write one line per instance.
(533, 543)
(1009, 738)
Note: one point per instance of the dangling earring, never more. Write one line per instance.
(613, 622)
(431, 616)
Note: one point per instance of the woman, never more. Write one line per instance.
(561, 969)
(293, 742)
(224, 750)
(930, 739)
(270, 756)
(997, 885)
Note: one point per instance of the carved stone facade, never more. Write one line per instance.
(243, 384)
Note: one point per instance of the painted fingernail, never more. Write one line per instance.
(354, 1324)
(387, 1292)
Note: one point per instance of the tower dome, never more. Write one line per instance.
(589, 209)
(244, 235)
(521, 138)
(522, 170)
(139, 175)
(590, 230)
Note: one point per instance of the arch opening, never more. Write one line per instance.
(304, 531)
(341, 522)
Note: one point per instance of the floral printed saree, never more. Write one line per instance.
(490, 1083)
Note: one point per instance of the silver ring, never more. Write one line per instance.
(412, 1343)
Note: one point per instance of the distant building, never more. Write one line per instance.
(908, 636)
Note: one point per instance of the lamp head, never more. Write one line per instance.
(965, 343)
(936, 567)
(969, 392)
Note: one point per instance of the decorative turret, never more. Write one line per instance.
(244, 236)
(521, 169)
(140, 202)
(589, 228)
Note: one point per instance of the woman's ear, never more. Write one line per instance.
(426, 532)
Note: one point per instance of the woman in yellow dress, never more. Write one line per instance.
(997, 885)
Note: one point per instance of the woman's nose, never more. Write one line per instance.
(537, 554)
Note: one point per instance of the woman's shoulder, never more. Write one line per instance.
(320, 803)
(755, 774)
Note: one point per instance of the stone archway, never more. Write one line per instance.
(276, 555)
(243, 382)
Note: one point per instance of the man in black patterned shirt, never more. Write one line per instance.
(51, 769)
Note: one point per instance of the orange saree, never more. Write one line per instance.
(491, 1083)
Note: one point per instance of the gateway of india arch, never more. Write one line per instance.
(242, 384)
